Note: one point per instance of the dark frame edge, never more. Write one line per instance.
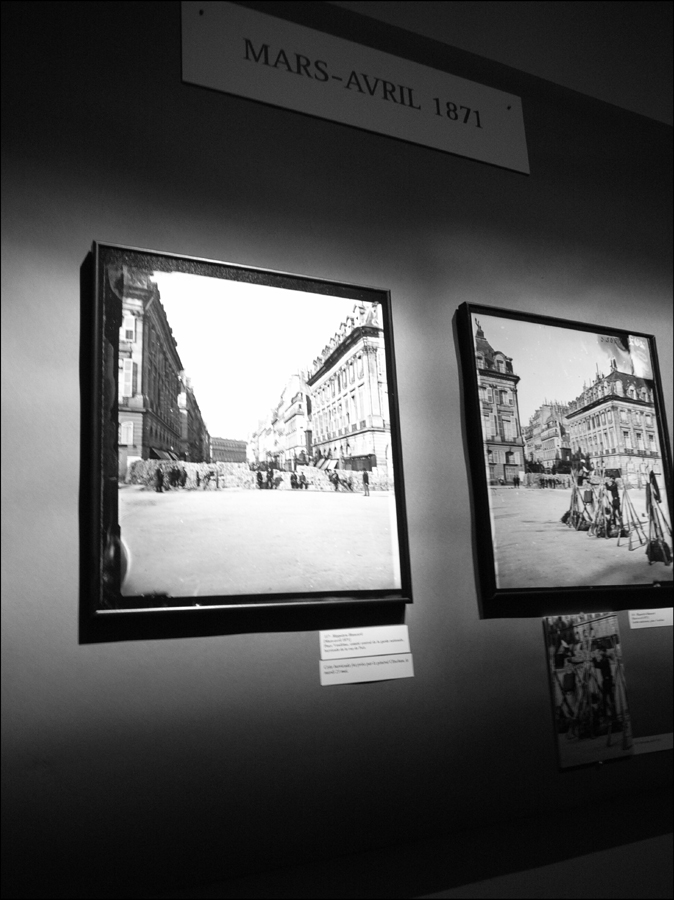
(90, 438)
(397, 450)
(481, 534)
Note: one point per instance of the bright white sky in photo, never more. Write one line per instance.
(239, 343)
(553, 363)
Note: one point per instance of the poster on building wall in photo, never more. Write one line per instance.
(242, 444)
(588, 690)
(570, 463)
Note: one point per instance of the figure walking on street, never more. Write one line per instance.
(366, 484)
(616, 515)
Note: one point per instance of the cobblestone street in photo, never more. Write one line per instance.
(535, 549)
(229, 542)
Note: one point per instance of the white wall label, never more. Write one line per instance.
(351, 642)
(367, 668)
(250, 54)
(650, 618)
(350, 655)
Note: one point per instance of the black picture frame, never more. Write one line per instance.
(547, 405)
(187, 559)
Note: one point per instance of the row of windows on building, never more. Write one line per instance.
(340, 407)
(499, 362)
(607, 388)
(161, 390)
(158, 434)
(605, 442)
(495, 394)
(339, 382)
(130, 325)
(619, 417)
(504, 457)
(507, 430)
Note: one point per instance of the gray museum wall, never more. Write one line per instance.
(206, 758)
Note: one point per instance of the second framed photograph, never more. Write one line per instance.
(241, 440)
(570, 464)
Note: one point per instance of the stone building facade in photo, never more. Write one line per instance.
(196, 441)
(158, 414)
(613, 422)
(227, 450)
(501, 430)
(350, 419)
(546, 439)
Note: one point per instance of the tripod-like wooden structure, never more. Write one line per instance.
(636, 535)
(580, 514)
(657, 548)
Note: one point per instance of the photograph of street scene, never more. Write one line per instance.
(254, 449)
(587, 687)
(572, 456)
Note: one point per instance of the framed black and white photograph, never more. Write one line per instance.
(241, 441)
(569, 461)
(588, 691)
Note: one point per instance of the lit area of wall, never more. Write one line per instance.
(186, 760)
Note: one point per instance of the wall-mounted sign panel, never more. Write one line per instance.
(240, 51)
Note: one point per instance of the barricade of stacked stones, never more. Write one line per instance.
(319, 481)
(239, 476)
(229, 475)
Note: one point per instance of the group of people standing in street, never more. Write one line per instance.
(337, 482)
(174, 477)
(347, 483)
(554, 481)
(177, 477)
(298, 483)
(270, 482)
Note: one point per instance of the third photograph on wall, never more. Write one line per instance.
(569, 456)
(588, 691)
